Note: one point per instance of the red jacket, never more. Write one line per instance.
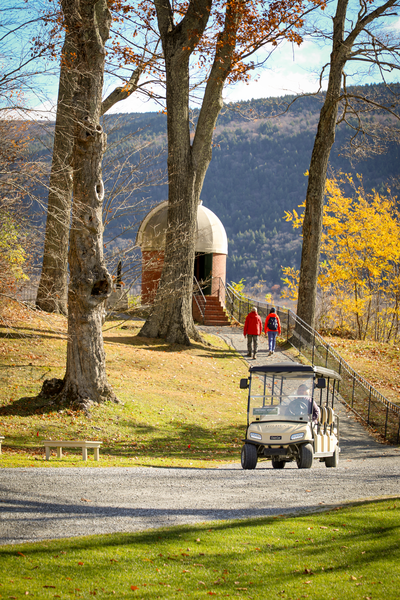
(266, 323)
(252, 324)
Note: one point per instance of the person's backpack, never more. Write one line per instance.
(273, 324)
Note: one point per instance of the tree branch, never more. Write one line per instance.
(122, 92)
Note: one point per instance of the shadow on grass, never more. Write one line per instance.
(28, 406)
(159, 345)
(33, 333)
(377, 537)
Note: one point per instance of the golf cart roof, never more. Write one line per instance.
(291, 369)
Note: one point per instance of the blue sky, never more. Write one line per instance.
(289, 70)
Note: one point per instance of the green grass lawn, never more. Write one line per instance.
(179, 406)
(350, 552)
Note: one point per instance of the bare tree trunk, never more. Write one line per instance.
(312, 226)
(85, 380)
(52, 290)
(171, 317)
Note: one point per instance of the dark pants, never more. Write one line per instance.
(252, 340)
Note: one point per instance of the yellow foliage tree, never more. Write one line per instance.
(360, 272)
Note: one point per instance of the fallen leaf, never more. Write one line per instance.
(353, 578)
(20, 554)
(85, 500)
(309, 581)
(81, 563)
(50, 586)
(134, 587)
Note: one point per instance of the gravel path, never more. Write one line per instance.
(37, 504)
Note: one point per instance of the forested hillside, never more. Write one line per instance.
(260, 157)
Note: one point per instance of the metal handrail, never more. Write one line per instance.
(195, 294)
(355, 390)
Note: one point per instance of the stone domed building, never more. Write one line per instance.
(210, 263)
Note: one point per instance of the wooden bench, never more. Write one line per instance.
(84, 444)
(1, 439)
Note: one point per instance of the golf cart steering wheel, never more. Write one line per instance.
(298, 406)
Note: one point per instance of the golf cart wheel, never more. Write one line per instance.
(306, 455)
(278, 464)
(249, 456)
(333, 461)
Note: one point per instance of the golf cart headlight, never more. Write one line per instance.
(255, 436)
(297, 436)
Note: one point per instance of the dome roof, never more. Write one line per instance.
(211, 235)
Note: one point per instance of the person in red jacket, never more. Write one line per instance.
(272, 326)
(252, 330)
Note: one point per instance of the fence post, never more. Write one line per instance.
(326, 358)
(288, 325)
(313, 346)
(352, 393)
(369, 403)
(386, 422)
(340, 371)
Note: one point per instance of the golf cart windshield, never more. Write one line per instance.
(273, 396)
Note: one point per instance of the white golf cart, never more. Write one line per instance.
(283, 421)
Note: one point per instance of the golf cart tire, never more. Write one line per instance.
(333, 461)
(278, 464)
(249, 456)
(306, 455)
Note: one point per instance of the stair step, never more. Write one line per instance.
(214, 314)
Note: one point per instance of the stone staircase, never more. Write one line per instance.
(214, 312)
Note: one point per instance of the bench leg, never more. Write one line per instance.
(47, 453)
(59, 452)
(96, 454)
(84, 453)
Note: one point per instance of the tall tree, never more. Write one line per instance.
(353, 38)
(52, 289)
(227, 34)
(88, 23)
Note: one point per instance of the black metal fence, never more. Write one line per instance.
(369, 404)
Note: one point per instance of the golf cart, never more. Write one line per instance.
(283, 423)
